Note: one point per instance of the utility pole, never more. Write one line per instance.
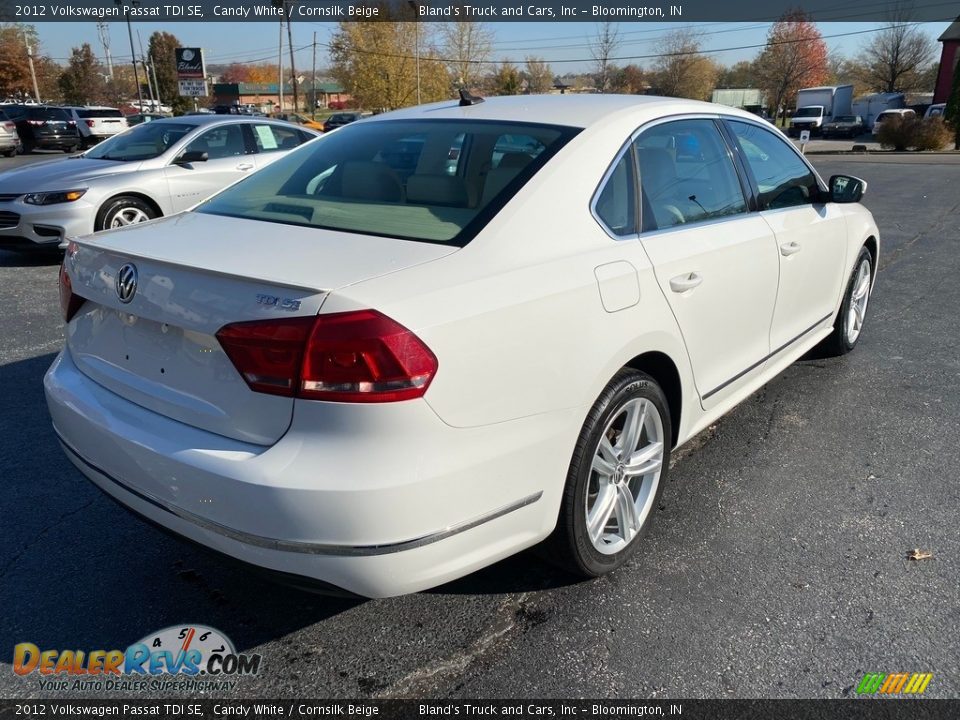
(33, 72)
(313, 94)
(133, 53)
(146, 72)
(153, 67)
(293, 69)
(280, 69)
(103, 27)
(416, 29)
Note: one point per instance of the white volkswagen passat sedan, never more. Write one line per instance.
(379, 365)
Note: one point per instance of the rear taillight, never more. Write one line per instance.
(69, 303)
(360, 356)
(37, 122)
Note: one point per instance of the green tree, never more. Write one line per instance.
(377, 63)
(506, 79)
(739, 75)
(952, 112)
(81, 82)
(162, 50)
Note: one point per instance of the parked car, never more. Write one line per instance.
(153, 169)
(298, 119)
(902, 113)
(340, 119)
(42, 127)
(9, 138)
(935, 110)
(139, 118)
(849, 126)
(381, 385)
(96, 123)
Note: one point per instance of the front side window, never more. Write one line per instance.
(396, 178)
(782, 178)
(223, 141)
(687, 174)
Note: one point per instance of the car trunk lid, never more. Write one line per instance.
(194, 274)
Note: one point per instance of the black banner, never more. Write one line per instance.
(851, 709)
(591, 11)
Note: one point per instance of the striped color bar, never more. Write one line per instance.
(894, 683)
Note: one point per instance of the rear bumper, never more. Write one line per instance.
(377, 501)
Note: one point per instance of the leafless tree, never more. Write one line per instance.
(539, 76)
(467, 45)
(895, 58)
(603, 47)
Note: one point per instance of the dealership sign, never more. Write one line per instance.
(190, 64)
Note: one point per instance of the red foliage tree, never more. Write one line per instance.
(795, 57)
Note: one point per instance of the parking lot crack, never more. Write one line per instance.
(424, 681)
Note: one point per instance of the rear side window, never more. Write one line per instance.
(687, 174)
(47, 114)
(429, 180)
(93, 114)
(782, 178)
(616, 204)
(273, 138)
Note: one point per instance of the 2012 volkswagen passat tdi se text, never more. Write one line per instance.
(442, 335)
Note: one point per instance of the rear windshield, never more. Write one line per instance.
(100, 113)
(429, 180)
(142, 142)
(47, 114)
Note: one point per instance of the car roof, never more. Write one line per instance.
(211, 119)
(580, 110)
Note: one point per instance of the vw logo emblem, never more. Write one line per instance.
(126, 283)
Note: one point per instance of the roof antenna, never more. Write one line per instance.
(466, 99)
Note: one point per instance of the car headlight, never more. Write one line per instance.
(51, 198)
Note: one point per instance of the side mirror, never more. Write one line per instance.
(847, 189)
(191, 156)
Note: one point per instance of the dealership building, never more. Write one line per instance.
(949, 59)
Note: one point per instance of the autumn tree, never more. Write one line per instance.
(15, 78)
(162, 50)
(539, 76)
(603, 48)
(794, 57)
(81, 82)
(894, 60)
(506, 79)
(741, 74)
(376, 63)
(630, 80)
(682, 70)
(466, 47)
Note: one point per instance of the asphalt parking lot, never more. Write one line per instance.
(777, 566)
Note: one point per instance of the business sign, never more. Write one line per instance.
(804, 137)
(193, 88)
(190, 63)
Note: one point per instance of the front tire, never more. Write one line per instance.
(124, 210)
(848, 326)
(616, 476)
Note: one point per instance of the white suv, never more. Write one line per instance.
(97, 123)
(887, 114)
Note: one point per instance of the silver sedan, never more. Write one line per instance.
(152, 170)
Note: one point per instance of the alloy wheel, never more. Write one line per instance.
(858, 302)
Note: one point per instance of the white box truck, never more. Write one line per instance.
(817, 106)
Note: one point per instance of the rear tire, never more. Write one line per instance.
(124, 210)
(616, 476)
(848, 327)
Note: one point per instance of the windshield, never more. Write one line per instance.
(143, 142)
(846, 119)
(809, 112)
(429, 180)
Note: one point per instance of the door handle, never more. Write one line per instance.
(682, 283)
(790, 248)
(245, 166)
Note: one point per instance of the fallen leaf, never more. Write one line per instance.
(918, 554)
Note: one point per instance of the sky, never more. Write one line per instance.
(565, 45)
